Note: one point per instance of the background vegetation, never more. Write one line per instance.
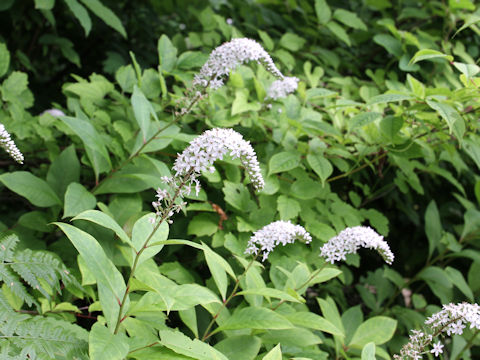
(382, 131)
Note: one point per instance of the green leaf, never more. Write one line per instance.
(79, 11)
(472, 19)
(218, 267)
(142, 110)
(292, 42)
(203, 225)
(102, 344)
(427, 54)
(339, 32)
(94, 144)
(274, 354)
(459, 282)
(34, 189)
(107, 15)
(268, 43)
(386, 98)
(255, 318)
(268, 293)
(287, 207)
(167, 53)
(323, 11)
(378, 329)
(390, 126)
(283, 161)
(182, 344)
(77, 199)
(64, 170)
(363, 119)
(368, 351)
(313, 321)
(349, 19)
(4, 59)
(416, 86)
(238, 196)
(104, 220)
(110, 283)
(469, 70)
(242, 347)
(389, 43)
(240, 103)
(439, 282)
(144, 230)
(44, 4)
(322, 167)
(433, 226)
(451, 116)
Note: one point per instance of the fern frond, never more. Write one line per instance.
(7, 247)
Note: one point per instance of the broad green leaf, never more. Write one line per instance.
(322, 167)
(104, 220)
(77, 199)
(386, 98)
(471, 19)
(79, 11)
(368, 351)
(459, 282)
(238, 196)
(439, 282)
(102, 344)
(390, 43)
(107, 15)
(378, 329)
(472, 148)
(469, 70)
(349, 19)
(287, 207)
(330, 312)
(203, 225)
(241, 347)
(283, 161)
(182, 344)
(451, 116)
(94, 144)
(143, 231)
(292, 42)
(339, 32)
(416, 86)
(218, 267)
(142, 110)
(4, 59)
(323, 11)
(255, 318)
(268, 43)
(390, 126)
(325, 275)
(363, 119)
(313, 321)
(167, 53)
(44, 4)
(274, 354)
(34, 189)
(240, 103)
(426, 54)
(433, 226)
(64, 170)
(268, 293)
(110, 283)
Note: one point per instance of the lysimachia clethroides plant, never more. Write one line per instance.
(146, 314)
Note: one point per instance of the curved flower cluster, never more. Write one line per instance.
(212, 145)
(351, 239)
(7, 143)
(278, 232)
(228, 57)
(452, 319)
(281, 88)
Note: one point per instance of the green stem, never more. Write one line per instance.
(207, 332)
(144, 246)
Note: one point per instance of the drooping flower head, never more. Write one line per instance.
(353, 238)
(9, 146)
(278, 232)
(281, 88)
(199, 156)
(451, 320)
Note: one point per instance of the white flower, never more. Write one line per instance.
(212, 145)
(228, 57)
(7, 143)
(54, 112)
(437, 348)
(281, 88)
(229, 21)
(278, 232)
(351, 239)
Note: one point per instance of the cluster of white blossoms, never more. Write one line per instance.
(199, 156)
(7, 143)
(281, 88)
(353, 238)
(278, 232)
(452, 319)
(228, 56)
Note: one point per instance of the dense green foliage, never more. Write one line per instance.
(382, 131)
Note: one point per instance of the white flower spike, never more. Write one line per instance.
(353, 238)
(281, 88)
(9, 146)
(278, 232)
